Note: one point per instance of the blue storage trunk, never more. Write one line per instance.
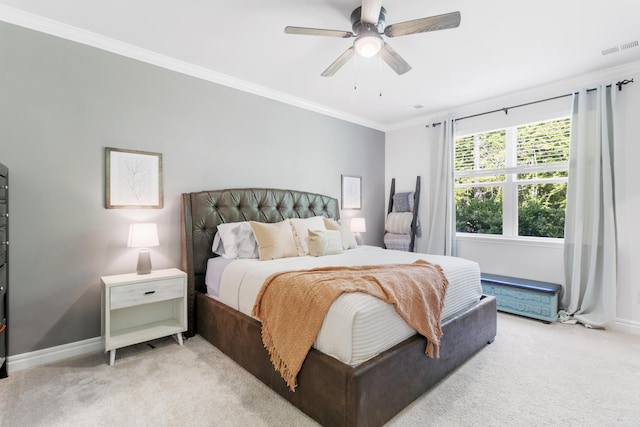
(530, 298)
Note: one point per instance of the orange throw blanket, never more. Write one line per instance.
(292, 305)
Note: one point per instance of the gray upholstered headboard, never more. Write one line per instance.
(204, 210)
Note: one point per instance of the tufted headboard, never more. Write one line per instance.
(204, 210)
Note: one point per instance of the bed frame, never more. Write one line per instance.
(329, 391)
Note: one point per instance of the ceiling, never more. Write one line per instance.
(501, 46)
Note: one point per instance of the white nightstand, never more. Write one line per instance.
(143, 307)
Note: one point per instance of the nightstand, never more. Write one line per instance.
(143, 307)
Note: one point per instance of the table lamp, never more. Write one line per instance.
(358, 226)
(144, 236)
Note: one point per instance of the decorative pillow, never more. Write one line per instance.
(348, 239)
(301, 228)
(399, 222)
(237, 240)
(274, 240)
(325, 242)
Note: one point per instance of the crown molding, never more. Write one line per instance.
(68, 32)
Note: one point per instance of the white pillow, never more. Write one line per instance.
(325, 242)
(348, 239)
(237, 239)
(217, 247)
(301, 228)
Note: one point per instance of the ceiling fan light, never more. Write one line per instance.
(368, 45)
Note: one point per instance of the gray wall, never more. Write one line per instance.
(62, 103)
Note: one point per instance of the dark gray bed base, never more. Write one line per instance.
(329, 391)
(335, 394)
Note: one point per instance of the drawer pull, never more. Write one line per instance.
(150, 292)
(4, 243)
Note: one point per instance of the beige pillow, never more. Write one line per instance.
(301, 227)
(325, 242)
(274, 240)
(348, 239)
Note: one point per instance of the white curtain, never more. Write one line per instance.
(441, 239)
(590, 229)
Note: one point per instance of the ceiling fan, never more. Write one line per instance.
(368, 25)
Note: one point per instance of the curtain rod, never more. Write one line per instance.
(506, 109)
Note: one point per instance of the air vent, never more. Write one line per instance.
(611, 50)
(624, 46)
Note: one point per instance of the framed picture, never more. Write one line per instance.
(133, 179)
(351, 192)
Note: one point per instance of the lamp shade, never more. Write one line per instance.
(358, 225)
(143, 235)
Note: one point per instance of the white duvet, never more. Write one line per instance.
(358, 326)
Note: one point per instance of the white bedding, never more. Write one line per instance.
(357, 326)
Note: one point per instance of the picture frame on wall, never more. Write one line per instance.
(351, 192)
(133, 179)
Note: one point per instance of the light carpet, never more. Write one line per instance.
(534, 374)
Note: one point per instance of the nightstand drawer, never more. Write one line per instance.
(146, 292)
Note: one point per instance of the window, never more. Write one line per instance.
(513, 181)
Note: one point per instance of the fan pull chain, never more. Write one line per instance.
(380, 74)
(355, 74)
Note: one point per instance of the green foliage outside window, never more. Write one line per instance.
(479, 210)
(541, 210)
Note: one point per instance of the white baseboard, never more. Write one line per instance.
(92, 345)
(627, 326)
(54, 354)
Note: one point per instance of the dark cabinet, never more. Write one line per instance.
(4, 266)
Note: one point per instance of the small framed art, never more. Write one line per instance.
(351, 192)
(133, 179)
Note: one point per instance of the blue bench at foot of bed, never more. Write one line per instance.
(538, 300)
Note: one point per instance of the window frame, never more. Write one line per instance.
(511, 183)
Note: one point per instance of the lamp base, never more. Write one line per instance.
(144, 262)
(358, 238)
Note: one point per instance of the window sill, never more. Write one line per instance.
(511, 241)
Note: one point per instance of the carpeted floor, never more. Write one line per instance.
(534, 374)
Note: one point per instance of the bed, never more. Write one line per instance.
(328, 390)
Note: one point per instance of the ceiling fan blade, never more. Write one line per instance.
(318, 32)
(370, 11)
(338, 63)
(431, 23)
(395, 61)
